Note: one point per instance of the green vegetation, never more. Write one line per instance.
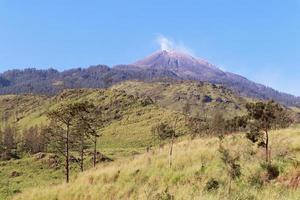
(197, 172)
(263, 117)
(201, 97)
(165, 132)
(133, 113)
(17, 175)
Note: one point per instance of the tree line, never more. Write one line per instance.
(73, 130)
(261, 118)
(31, 140)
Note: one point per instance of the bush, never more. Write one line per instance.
(163, 131)
(272, 171)
(231, 162)
(212, 184)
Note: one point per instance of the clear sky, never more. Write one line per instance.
(259, 39)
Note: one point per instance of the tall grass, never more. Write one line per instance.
(196, 162)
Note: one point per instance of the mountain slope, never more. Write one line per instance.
(181, 64)
(130, 120)
(188, 67)
(201, 97)
(126, 99)
(51, 82)
(160, 65)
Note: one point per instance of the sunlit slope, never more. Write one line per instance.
(130, 117)
(195, 163)
(201, 97)
(131, 108)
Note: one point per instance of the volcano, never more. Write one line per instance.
(187, 67)
(183, 65)
(161, 65)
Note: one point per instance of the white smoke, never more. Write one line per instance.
(171, 45)
(165, 43)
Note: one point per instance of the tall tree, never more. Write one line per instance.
(82, 142)
(61, 121)
(87, 122)
(263, 117)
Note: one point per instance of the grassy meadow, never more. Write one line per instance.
(197, 173)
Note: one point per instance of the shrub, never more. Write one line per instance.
(163, 131)
(212, 184)
(272, 171)
(231, 162)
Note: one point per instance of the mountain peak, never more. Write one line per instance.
(182, 64)
(171, 58)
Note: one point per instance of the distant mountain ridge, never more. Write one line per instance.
(160, 65)
(188, 67)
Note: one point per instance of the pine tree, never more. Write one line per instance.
(61, 121)
(264, 117)
(86, 126)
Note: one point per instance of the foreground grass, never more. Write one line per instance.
(18, 175)
(29, 172)
(147, 176)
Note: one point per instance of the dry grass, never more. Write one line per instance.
(148, 176)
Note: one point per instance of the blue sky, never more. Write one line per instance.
(259, 39)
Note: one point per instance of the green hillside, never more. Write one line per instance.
(197, 173)
(134, 109)
(202, 97)
(128, 99)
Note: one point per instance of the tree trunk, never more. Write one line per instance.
(172, 143)
(267, 146)
(148, 155)
(229, 187)
(81, 154)
(67, 154)
(95, 151)
(270, 150)
(171, 151)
